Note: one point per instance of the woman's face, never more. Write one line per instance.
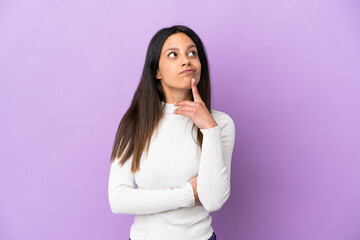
(177, 54)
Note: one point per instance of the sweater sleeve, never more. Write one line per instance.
(125, 199)
(213, 183)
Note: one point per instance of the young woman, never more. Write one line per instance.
(173, 144)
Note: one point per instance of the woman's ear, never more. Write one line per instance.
(158, 75)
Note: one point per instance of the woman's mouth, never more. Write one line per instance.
(187, 71)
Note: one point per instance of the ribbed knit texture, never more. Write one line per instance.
(164, 201)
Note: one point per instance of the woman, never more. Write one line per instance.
(173, 144)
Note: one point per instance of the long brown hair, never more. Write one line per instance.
(146, 110)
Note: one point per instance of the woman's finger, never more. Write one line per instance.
(195, 91)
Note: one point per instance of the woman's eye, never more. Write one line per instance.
(171, 53)
(194, 53)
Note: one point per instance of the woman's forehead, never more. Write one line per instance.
(178, 40)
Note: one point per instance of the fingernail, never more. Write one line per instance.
(193, 79)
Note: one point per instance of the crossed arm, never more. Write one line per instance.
(213, 183)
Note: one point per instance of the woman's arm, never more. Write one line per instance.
(125, 199)
(213, 186)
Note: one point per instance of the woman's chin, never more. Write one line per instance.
(187, 82)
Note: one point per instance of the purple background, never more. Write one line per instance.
(287, 72)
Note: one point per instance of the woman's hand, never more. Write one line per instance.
(197, 110)
(193, 183)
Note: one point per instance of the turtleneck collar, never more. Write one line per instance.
(169, 108)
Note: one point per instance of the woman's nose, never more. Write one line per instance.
(186, 61)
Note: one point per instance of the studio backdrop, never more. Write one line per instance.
(287, 72)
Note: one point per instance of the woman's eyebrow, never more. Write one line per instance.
(190, 46)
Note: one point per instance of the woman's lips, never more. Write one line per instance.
(187, 72)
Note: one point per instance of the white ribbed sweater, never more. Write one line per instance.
(164, 201)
